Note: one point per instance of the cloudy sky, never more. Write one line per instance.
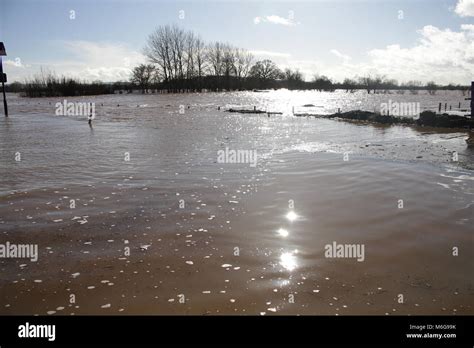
(403, 39)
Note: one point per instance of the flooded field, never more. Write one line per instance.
(139, 215)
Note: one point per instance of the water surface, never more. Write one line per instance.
(232, 238)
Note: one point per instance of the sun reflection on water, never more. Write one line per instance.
(291, 215)
(282, 232)
(288, 260)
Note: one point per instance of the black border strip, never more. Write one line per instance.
(139, 330)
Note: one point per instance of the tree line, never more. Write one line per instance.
(48, 84)
(180, 61)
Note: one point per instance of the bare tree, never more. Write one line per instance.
(228, 60)
(178, 40)
(349, 84)
(321, 82)
(190, 46)
(243, 62)
(413, 86)
(184, 61)
(142, 76)
(215, 56)
(372, 83)
(431, 87)
(265, 70)
(292, 75)
(173, 51)
(158, 51)
(200, 57)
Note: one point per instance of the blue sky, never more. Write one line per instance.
(403, 39)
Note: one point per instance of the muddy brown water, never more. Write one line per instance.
(172, 231)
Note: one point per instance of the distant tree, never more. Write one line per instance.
(142, 75)
(322, 83)
(366, 82)
(243, 62)
(158, 51)
(294, 78)
(292, 75)
(389, 84)
(265, 70)
(189, 55)
(14, 87)
(431, 87)
(413, 86)
(349, 84)
(372, 83)
(200, 60)
(228, 61)
(215, 57)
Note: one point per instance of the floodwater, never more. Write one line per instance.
(138, 215)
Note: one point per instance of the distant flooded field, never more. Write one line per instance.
(139, 215)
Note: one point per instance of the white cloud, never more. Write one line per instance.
(338, 54)
(112, 54)
(467, 27)
(465, 8)
(439, 55)
(17, 63)
(275, 20)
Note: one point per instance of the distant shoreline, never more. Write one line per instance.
(111, 91)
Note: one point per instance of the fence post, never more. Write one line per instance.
(3, 77)
(472, 99)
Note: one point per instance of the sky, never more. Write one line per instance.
(426, 40)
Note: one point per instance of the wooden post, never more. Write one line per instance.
(90, 116)
(3, 77)
(439, 107)
(445, 106)
(472, 99)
